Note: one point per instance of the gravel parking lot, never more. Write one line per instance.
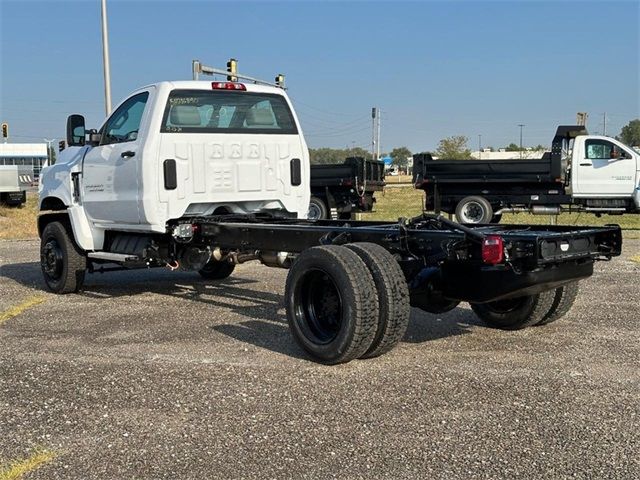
(154, 374)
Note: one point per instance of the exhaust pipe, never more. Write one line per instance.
(536, 210)
(270, 258)
(276, 259)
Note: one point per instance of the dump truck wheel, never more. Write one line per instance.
(317, 209)
(474, 209)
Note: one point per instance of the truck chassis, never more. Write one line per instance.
(350, 284)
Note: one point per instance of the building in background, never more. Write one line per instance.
(29, 154)
(502, 154)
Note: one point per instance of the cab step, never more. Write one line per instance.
(114, 257)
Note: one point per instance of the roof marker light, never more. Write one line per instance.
(228, 86)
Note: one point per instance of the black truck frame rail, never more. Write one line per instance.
(528, 260)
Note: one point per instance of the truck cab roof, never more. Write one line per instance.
(207, 85)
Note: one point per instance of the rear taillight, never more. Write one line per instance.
(492, 249)
(227, 86)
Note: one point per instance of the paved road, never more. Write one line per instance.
(160, 375)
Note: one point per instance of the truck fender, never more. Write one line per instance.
(85, 236)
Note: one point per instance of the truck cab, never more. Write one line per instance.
(181, 149)
(605, 168)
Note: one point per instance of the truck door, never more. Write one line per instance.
(111, 170)
(605, 169)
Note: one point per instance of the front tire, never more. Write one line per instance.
(332, 305)
(515, 313)
(474, 209)
(62, 262)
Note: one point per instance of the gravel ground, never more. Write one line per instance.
(161, 375)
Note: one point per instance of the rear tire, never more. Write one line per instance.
(62, 262)
(317, 209)
(515, 313)
(332, 305)
(563, 301)
(215, 270)
(474, 209)
(393, 297)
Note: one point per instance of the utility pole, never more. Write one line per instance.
(378, 136)
(479, 147)
(521, 125)
(604, 123)
(105, 60)
(373, 132)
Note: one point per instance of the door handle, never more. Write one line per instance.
(127, 154)
(586, 164)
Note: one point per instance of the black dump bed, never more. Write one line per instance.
(355, 171)
(475, 171)
(548, 169)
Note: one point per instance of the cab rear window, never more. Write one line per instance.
(200, 111)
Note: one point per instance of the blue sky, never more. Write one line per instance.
(434, 68)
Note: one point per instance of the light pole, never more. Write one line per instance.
(105, 60)
(479, 147)
(521, 125)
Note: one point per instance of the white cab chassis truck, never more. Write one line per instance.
(202, 176)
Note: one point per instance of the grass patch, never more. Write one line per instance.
(398, 202)
(19, 468)
(19, 222)
(398, 178)
(393, 203)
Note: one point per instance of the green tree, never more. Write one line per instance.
(512, 147)
(454, 147)
(399, 156)
(630, 133)
(324, 155)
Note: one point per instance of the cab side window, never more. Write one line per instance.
(602, 149)
(124, 123)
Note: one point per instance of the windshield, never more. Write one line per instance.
(201, 111)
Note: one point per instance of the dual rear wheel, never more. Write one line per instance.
(532, 310)
(347, 302)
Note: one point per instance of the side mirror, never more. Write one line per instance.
(75, 131)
